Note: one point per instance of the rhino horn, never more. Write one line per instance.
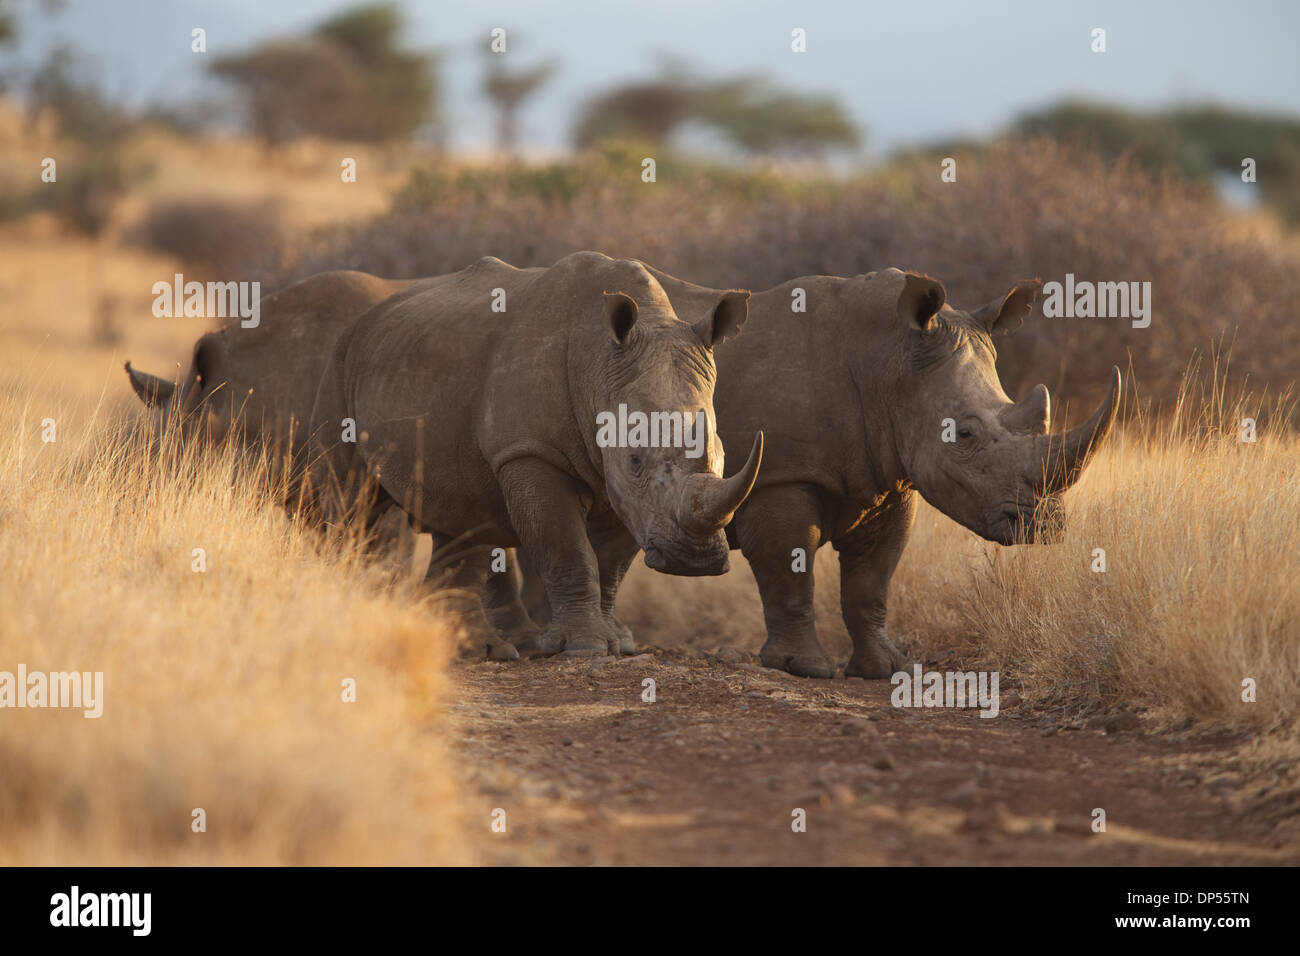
(1067, 455)
(708, 502)
(1031, 415)
(151, 389)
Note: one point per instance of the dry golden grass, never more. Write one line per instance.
(222, 689)
(1199, 531)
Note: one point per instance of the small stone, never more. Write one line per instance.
(568, 741)
(963, 796)
(842, 794)
(882, 762)
(1122, 721)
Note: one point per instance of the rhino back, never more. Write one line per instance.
(266, 376)
(788, 373)
(282, 359)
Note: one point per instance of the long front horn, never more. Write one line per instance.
(708, 502)
(151, 389)
(1066, 455)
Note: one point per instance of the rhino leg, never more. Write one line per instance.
(461, 579)
(532, 590)
(548, 513)
(868, 556)
(391, 535)
(773, 522)
(614, 554)
(504, 608)
(615, 549)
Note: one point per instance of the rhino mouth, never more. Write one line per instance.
(712, 559)
(1040, 523)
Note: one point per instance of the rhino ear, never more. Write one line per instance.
(1008, 313)
(725, 320)
(921, 300)
(151, 389)
(620, 316)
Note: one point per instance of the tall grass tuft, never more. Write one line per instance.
(223, 688)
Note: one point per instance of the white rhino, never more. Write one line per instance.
(482, 426)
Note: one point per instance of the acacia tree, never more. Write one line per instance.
(346, 80)
(507, 91)
(748, 111)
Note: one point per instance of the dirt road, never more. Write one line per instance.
(713, 770)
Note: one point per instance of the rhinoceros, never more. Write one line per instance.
(265, 378)
(878, 392)
(474, 400)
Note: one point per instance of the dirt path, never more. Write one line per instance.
(711, 772)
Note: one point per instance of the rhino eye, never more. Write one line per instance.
(963, 433)
(637, 464)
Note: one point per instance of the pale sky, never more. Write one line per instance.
(909, 72)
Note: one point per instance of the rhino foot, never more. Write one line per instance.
(799, 664)
(595, 646)
(523, 637)
(499, 650)
(880, 661)
(626, 643)
(539, 644)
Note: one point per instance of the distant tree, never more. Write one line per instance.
(294, 88)
(1195, 141)
(507, 91)
(766, 121)
(81, 110)
(400, 88)
(748, 111)
(1111, 130)
(87, 188)
(347, 80)
(644, 111)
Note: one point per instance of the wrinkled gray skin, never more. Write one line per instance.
(265, 378)
(481, 426)
(852, 396)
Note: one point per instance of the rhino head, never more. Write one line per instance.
(184, 405)
(983, 460)
(672, 498)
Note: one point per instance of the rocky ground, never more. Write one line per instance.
(714, 769)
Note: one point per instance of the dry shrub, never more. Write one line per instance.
(222, 690)
(215, 239)
(1199, 531)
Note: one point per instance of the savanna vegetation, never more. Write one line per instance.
(224, 686)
